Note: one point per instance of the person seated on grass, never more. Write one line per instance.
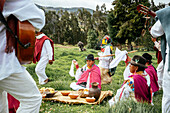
(151, 71)
(87, 74)
(137, 86)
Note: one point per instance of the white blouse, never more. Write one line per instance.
(104, 62)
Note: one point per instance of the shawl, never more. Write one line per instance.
(142, 91)
(153, 78)
(95, 76)
(38, 48)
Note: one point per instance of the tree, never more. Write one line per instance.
(75, 30)
(99, 20)
(127, 22)
(91, 39)
(51, 27)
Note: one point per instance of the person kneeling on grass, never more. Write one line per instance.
(137, 86)
(86, 75)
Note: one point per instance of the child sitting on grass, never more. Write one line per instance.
(87, 74)
(137, 86)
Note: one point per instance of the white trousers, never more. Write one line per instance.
(76, 87)
(160, 70)
(40, 69)
(23, 87)
(166, 88)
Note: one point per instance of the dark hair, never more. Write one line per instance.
(140, 68)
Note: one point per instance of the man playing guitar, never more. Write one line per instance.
(14, 78)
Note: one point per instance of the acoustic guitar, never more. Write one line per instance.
(26, 35)
(145, 10)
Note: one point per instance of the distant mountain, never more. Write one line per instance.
(73, 9)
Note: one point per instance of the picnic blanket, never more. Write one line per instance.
(66, 99)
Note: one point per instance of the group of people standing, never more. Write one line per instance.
(15, 79)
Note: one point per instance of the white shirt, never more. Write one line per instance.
(23, 10)
(157, 30)
(105, 61)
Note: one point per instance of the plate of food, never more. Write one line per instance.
(65, 93)
(90, 99)
(73, 96)
(50, 94)
(47, 92)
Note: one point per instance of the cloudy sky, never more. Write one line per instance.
(82, 3)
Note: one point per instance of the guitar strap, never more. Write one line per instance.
(11, 41)
(11, 25)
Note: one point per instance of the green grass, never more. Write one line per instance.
(59, 74)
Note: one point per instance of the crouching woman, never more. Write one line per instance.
(137, 86)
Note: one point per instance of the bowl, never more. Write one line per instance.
(89, 99)
(65, 93)
(49, 94)
(73, 96)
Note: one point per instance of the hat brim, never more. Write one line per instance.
(137, 64)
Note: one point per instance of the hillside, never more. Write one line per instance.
(73, 9)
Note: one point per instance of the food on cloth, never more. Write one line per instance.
(84, 93)
(47, 92)
(73, 96)
(90, 99)
(65, 93)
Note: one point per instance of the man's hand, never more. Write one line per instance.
(96, 58)
(153, 39)
(50, 62)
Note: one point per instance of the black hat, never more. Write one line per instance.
(148, 57)
(138, 61)
(90, 57)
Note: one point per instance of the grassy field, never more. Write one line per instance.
(59, 74)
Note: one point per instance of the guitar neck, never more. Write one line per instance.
(152, 13)
(145, 10)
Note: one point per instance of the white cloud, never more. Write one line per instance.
(83, 3)
(161, 1)
(75, 3)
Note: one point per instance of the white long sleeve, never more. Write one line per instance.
(123, 93)
(47, 50)
(157, 30)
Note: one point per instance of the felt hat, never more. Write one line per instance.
(90, 57)
(148, 57)
(138, 61)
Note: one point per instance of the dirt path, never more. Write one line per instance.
(61, 46)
